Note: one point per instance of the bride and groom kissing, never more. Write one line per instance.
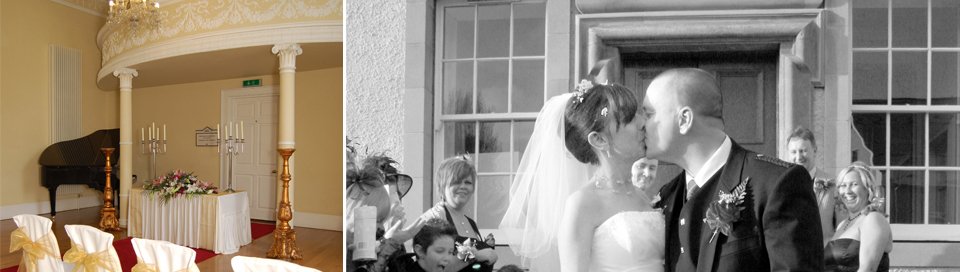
(573, 207)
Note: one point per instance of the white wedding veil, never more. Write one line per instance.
(547, 174)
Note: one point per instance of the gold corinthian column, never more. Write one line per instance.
(126, 143)
(288, 65)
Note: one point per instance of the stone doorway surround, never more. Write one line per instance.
(796, 33)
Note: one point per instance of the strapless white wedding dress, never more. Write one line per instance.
(629, 241)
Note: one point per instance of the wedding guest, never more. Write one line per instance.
(644, 173)
(802, 148)
(863, 240)
(365, 187)
(456, 182)
(433, 249)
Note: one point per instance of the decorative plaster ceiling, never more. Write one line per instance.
(227, 64)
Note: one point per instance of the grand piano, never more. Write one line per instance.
(80, 161)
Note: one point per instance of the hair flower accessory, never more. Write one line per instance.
(722, 214)
(603, 112)
(582, 89)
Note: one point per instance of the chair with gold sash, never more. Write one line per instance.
(162, 256)
(91, 250)
(252, 264)
(40, 249)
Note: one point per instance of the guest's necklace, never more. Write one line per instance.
(619, 183)
(463, 219)
(850, 221)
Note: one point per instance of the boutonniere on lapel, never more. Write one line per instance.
(722, 214)
(655, 203)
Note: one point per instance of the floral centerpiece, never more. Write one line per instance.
(176, 184)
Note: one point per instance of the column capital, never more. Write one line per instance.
(126, 77)
(288, 53)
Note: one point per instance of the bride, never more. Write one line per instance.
(572, 205)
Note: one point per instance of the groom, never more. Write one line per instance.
(778, 228)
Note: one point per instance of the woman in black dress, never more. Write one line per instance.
(863, 240)
(456, 183)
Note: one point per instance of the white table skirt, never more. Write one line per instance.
(218, 222)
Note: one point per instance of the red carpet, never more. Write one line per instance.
(128, 257)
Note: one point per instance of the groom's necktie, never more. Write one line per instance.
(691, 188)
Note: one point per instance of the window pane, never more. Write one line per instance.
(872, 128)
(944, 139)
(909, 23)
(458, 139)
(907, 141)
(527, 85)
(869, 78)
(493, 197)
(494, 147)
(906, 197)
(909, 78)
(494, 27)
(529, 31)
(458, 87)
(943, 76)
(944, 192)
(458, 27)
(869, 24)
(492, 85)
(521, 136)
(946, 23)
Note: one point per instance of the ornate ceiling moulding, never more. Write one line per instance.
(612, 6)
(95, 7)
(300, 32)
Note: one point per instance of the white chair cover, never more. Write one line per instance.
(252, 264)
(94, 241)
(35, 228)
(167, 256)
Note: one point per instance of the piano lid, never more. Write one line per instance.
(83, 152)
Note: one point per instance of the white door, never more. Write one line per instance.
(255, 171)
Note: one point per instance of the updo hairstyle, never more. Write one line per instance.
(875, 200)
(583, 117)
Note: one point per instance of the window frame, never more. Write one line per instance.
(512, 117)
(906, 232)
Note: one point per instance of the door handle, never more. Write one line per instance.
(273, 172)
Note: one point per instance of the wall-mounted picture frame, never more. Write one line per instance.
(207, 137)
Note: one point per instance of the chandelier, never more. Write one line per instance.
(134, 14)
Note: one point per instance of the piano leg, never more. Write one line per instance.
(53, 202)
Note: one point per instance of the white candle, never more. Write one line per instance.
(241, 130)
(229, 132)
(153, 127)
(164, 132)
(218, 131)
(141, 134)
(238, 130)
(151, 134)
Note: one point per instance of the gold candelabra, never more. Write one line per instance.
(108, 214)
(284, 237)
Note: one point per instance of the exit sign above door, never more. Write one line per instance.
(251, 83)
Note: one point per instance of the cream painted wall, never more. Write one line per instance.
(186, 108)
(28, 29)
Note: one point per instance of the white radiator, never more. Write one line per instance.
(65, 93)
(67, 189)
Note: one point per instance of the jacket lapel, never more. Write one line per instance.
(730, 177)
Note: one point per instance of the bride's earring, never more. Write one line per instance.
(608, 153)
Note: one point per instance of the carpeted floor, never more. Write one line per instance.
(128, 257)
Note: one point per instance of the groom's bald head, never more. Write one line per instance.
(694, 88)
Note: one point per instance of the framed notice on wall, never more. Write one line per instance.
(207, 137)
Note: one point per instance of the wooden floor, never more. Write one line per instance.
(321, 249)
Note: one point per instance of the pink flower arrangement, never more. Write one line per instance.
(177, 184)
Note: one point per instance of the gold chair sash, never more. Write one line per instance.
(149, 267)
(88, 262)
(33, 251)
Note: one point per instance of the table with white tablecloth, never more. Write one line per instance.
(217, 222)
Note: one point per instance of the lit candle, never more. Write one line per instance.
(111, 10)
(241, 130)
(218, 131)
(164, 132)
(141, 134)
(157, 5)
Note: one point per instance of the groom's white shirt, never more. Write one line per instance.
(714, 164)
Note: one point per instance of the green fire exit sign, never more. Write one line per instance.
(251, 83)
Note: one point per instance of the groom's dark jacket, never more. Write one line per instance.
(779, 227)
